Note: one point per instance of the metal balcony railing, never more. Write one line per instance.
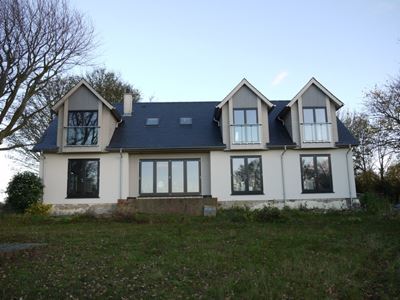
(316, 132)
(245, 133)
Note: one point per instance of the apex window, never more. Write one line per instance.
(245, 126)
(315, 125)
(82, 128)
(316, 174)
(246, 173)
(83, 178)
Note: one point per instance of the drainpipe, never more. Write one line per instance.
(283, 176)
(42, 168)
(348, 175)
(120, 173)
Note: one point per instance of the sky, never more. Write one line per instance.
(199, 50)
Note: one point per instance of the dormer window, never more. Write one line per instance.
(82, 128)
(316, 128)
(245, 126)
(152, 121)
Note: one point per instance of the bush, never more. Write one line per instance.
(38, 209)
(374, 204)
(23, 190)
(268, 214)
(237, 214)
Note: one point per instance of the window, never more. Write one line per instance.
(245, 127)
(83, 178)
(152, 121)
(185, 121)
(246, 173)
(315, 126)
(82, 128)
(316, 174)
(170, 177)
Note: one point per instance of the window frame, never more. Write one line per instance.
(170, 193)
(78, 196)
(316, 191)
(245, 115)
(69, 126)
(314, 115)
(247, 192)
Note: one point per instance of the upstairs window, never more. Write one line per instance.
(316, 129)
(82, 128)
(152, 121)
(245, 126)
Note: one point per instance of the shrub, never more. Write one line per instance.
(374, 204)
(268, 214)
(23, 190)
(38, 209)
(237, 214)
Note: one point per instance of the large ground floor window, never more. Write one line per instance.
(83, 178)
(170, 177)
(246, 173)
(316, 173)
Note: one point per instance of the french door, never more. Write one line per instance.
(169, 177)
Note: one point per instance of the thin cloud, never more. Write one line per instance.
(279, 77)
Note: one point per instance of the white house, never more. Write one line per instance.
(245, 149)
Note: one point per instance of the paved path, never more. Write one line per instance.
(12, 247)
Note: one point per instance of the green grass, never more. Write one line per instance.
(304, 255)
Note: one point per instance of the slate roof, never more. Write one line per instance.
(204, 133)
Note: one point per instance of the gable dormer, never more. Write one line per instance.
(86, 121)
(244, 118)
(310, 117)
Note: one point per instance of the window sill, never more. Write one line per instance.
(247, 194)
(86, 146)
(312, 192)
(82, 197)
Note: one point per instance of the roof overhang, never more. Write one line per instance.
(335, 100)
(244, 82)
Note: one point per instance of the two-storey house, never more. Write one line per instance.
(243, 150)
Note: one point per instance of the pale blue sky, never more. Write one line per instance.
(199, 50)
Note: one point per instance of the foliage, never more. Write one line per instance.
(383, 104)
(367, 181)
(311, 256)
(38, 209)
(374, 204)
(39, 41)
(393, 182)
(245, 214)
(23, 190)
(268, 214)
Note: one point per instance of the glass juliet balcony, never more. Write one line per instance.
(316, 132)
(82, 135)
(245, 133)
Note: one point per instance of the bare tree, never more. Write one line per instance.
(38, 41)
(384, 106)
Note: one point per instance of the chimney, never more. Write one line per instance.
(128, 102)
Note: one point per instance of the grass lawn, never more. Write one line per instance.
(307, 255)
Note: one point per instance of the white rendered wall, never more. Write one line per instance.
(272, 175)
(55, 176)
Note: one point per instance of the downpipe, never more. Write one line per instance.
(283, 177)
(348, 176)
(120, 173)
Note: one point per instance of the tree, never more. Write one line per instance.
(383, 103)
(393, 181)
(107, 83)
(39, 40)
(362, 129)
